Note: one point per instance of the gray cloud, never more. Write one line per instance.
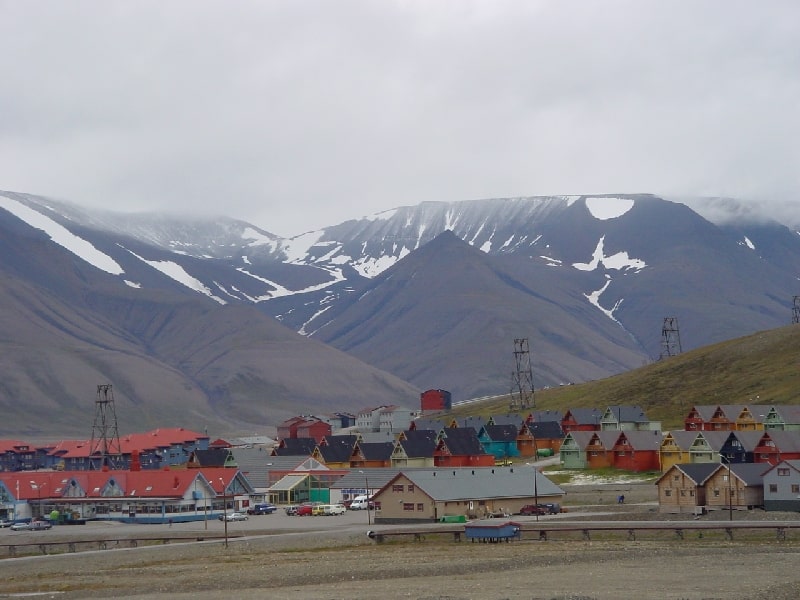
(298, 114)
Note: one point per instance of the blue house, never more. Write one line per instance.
(500, 440)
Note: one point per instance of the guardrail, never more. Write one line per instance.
(543, 532)
(72, 546)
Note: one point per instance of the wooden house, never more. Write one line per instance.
(460, 447)
(600, 449)
(372, 455)
(737, 486)
(433, 494)
(581, 419)
(637, 451)
(414, 448)
(574, 454)
(681, 489)
(776, 445)
(782, 486)
(627, 418)
(547, 436)
(784, 418)
(674, 448)
(500, 440)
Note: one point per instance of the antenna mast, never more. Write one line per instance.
(522, 392)
(670, 338)
(105, 433)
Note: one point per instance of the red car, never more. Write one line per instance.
(304, 510)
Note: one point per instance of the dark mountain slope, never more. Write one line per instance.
(447, 316)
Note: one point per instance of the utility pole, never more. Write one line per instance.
(670, 338)
(105, 432)
(522, 392)
(796, 310)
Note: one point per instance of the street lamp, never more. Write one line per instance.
(224, 510)
(366, 486)
(38, 488)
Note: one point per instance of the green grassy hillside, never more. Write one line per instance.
(763, 368)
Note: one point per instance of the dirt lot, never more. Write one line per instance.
(331, 558)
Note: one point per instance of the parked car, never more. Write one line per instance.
(335, 509)
(304, 510)
(361, 503)
(6, 523)
(291, 509)
(32, 526)
(234, 516)
(318, 510)
(540, 509)
(263, 508)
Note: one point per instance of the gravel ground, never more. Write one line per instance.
(331, 558)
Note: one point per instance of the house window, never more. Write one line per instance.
(410, 487)
(397, 487)
(773, 488)
(408, 506)
(676, 477)
(783, 472)
(691, 493)
(716, 492)
(420, 506)
(683, 493)
(667, 493)
(796, 488)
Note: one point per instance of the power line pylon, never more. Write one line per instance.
(522, 392)
(670, 338)
(105, 433)
(796, 310)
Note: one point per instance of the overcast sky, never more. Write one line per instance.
(298, 114)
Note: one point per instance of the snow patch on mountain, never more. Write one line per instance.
(62, 236)
(748, 243)
(256, 238)
(594, 299)
(178, 273)
(370, 267)
(608, 208)
(618, 261)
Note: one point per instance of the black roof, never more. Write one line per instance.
(462, 441)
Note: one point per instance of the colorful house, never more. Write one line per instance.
(499, 440)
(415, 448)
(581, 419)
(460, 447)
(782, 486)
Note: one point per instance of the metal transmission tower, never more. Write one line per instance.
(670, 338)
(796, 310)
(522, 378)
(105, 433)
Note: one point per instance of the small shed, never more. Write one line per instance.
(491, 531)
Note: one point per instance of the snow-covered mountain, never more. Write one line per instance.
(614, 266)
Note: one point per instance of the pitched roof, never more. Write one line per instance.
(642, 440)
(627, 414)
(584, 416)
(461, 441)
(697, 472)
(581, 438)
(683, 439)
(419, 443)
(458, 484)
(501, 433)
(543, 416)
(751, 474)
(546, 430)
(376, 450)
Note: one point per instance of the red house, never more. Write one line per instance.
(637, 451)
(776, 446)
(314, 428)
(581, 419)
(460, 447)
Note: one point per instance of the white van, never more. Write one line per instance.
(360, 503)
